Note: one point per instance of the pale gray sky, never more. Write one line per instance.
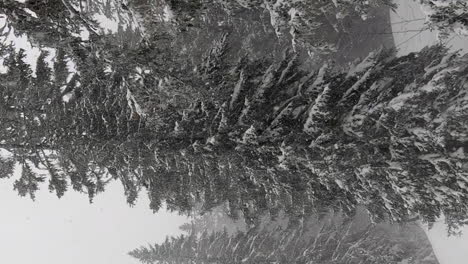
(408, 38)
(70, 230)
(449, 250)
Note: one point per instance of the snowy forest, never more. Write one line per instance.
(284, 119)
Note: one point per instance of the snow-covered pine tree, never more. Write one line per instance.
(389, 134)
(181, 250)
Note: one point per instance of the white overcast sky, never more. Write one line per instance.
(70, 230)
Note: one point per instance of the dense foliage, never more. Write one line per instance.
(256, 134)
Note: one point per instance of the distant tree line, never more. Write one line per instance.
(332, 239)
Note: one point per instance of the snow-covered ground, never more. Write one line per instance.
(411, 34)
